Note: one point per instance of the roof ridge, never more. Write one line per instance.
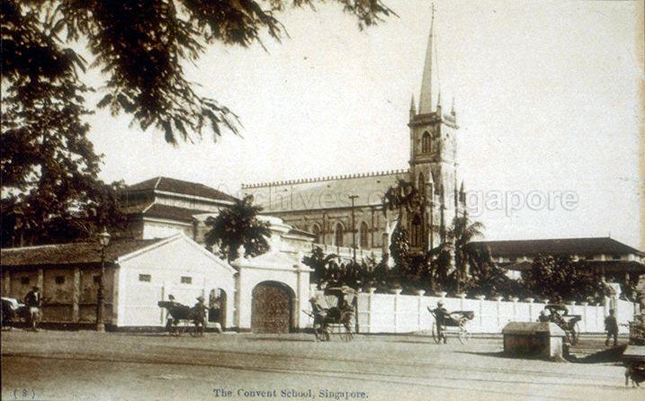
(158, 181)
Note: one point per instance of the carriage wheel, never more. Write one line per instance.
(347, 335)
(174, 330)
(198, 330)
(464, 335)
(435, 333)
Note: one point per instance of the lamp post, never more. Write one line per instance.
(353, 197)
(104, 240)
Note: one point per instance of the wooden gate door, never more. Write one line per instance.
(271, 311)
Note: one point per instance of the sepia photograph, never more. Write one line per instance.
(322, 200)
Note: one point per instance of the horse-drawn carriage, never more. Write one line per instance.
(559, 314)
(454, 323)
(184, 318)
(334, 311)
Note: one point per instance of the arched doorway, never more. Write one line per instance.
(272, 308)
(217, 307)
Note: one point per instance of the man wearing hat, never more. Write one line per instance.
(199, 312)
(33, 301)
(441, 314)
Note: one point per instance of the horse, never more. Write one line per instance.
(179, 312)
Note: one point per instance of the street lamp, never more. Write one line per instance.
(353, 197)
(104, 240)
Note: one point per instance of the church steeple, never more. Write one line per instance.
(425, 100)
(413, 109)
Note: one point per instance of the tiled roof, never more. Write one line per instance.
(554, 247)
(167, 184)
(162, 211)
(172, 212)
(324, 193)
(72, 253)
(607, 265)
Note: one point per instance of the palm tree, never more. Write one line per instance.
(462, 232)
(404, 199)
(401, 197)
(238, 226)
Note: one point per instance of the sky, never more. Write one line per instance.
(546, 95)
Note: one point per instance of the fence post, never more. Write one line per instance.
(481, 299)
(584, 315)
(396, 292)
(369, 308)
(514, 300)
(419, 306)
(499, 313)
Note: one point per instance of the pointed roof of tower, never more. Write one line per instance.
(425, 100)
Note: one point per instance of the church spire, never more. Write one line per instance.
(413, 108)
(425, 100)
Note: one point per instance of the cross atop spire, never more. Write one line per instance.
(425, 100)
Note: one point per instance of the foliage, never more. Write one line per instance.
(320, 263)
(330, 271)
(49, 168)
(400, 246)
(238, 226)
(141, 47)
(403, 197)
(462, 232)
(561, 278)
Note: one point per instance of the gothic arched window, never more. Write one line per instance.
(315, 230)
(426, 143)
(364, 235)
(339, 233)
(421, 184)
(416, 231)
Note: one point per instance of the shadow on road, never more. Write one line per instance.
(605, 356)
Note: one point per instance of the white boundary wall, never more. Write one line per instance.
(396, 313)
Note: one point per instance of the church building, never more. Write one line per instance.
(346, 211)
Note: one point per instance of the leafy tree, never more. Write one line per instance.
(320, 263)
(238, 226)
(404, 198)
(462, 232)
(561, 278)
(141, 46)
(49, 168)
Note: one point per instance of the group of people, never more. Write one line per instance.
(197, 312)
(30, 311)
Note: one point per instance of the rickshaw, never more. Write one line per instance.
(182, 317)
(13, 312)
(334, 311)
(559, 314)
(455, 323)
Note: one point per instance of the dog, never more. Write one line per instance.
(636, 373)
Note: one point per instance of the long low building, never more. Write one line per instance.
(138, 274)
(263, 294)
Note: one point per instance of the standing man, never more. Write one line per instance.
(441, 314)
(611, 326)
(33, 301)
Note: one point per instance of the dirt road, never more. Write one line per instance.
(50, 365)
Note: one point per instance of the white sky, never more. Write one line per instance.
(546, 95)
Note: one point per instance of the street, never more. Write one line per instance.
(85, 365)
